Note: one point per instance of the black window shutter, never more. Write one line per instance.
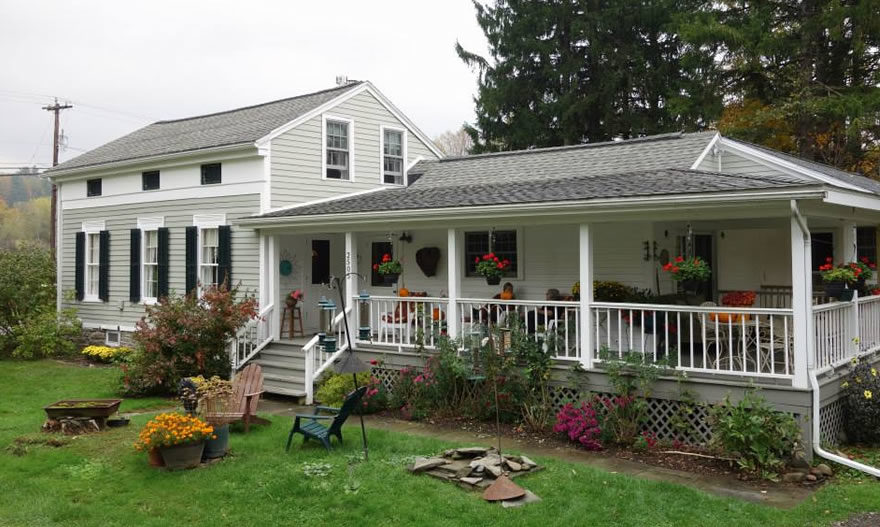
(104, 267)
(134, 277)
(224, 255)
(79, 271)
(192, 261)
(162, 258)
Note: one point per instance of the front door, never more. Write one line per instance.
(703, 250)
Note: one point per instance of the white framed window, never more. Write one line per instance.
(506, 244)
(209, 247)
(150, 258)
(92, 262)
(112, 339)
(392, 148)
(338, 150)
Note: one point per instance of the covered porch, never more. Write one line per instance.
(766, 249)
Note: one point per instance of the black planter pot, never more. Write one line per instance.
(690, 286)
(838, 290)
(493, 280)
(390, 278)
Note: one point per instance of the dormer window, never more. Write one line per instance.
(392, 156)
(337, 149)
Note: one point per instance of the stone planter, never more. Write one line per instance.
(187, 455)
(215, 448)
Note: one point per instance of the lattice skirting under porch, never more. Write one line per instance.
(662, 413)
(831, 422)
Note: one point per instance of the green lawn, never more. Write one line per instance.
(99, 480)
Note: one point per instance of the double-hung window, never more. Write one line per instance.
(92, 265)
(337, 149)
(392, 156)
(151, 266)
(502, 243)
(209, 239)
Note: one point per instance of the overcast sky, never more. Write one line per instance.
(125, 64)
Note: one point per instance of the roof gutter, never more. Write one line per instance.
(546, 208)
(54, 174)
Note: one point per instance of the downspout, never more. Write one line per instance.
(814, 382)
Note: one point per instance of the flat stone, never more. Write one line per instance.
(439, 474)
(793, 477)
(527, 462)
(455, 466)
(494, 469)
(799, 462)
(471, 481)
(824, 469)
(427, 463)
(513, 465)
(464, 472)
(472, 451)
(479, 469)
(528, 497)
(811, 477)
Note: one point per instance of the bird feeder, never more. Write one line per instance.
(364, 331)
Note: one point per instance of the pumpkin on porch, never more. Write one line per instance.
(403, 292)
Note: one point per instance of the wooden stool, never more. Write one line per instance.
(293, 316)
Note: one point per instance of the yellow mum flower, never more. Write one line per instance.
(844, 385)
(868, 394)
(874, 372)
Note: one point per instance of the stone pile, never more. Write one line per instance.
(473, 467)
(807, 474)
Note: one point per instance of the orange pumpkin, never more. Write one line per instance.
(506, 295)
(403, 292)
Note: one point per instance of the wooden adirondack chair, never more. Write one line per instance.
(309, 427)
(247, 386)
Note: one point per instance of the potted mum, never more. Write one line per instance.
(839, 281)
(690, 272)
(389, 269)
(180, 439)
(492, 268)
(735, 299)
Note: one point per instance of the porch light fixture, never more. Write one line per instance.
(405, 237)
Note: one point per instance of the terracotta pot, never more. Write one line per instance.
(155, 458)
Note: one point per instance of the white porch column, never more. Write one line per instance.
(586, 278)
(845, 247)
(274, 285)
(801, 298)
(453, 271)
(351, 284)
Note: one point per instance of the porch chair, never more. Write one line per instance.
(713, 336)
(247, 387)
(309, 427)
(397, 321)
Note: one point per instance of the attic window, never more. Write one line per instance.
(150, 180)
(338, 150)
(93, 187)
(211, 174)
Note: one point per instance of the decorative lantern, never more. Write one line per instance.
(364, 332)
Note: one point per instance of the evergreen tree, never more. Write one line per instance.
(801, 76)
(572, 71)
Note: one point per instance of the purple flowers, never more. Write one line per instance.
(580, 425)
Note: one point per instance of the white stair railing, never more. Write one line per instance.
(318, 359)
(252, 338)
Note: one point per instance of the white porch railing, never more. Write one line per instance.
(252, 338)
(555, 322)
(318, 358)
(843, 330)
(717, 339)
(402, 322)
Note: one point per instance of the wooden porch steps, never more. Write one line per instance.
(283, 366)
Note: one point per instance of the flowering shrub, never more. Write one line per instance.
(106, 353)
(580, 424)
(171, 429)
(646, 441)
(335, 387)
(688, 269)
(739, 299)
(185, 336)
(490, 266)
(388, 265)
(861, 399)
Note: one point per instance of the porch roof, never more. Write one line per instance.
(643, 183)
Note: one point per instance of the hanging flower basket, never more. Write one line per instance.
(491, 267)
(390, 278)
(389, 269)
(840, 281)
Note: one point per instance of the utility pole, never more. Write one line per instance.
(56, 109)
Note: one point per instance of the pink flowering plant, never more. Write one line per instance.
(580, 424)
(334, 387)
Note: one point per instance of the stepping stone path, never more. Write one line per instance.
(473, 468)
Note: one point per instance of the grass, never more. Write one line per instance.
(98, 479)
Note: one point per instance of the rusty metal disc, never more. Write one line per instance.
(503, 489)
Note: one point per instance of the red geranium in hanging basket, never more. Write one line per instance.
(491, 267)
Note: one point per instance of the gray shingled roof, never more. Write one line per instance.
(652, 182)
(856, 180)
(240, 126)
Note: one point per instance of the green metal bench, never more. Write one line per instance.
(310, 428)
